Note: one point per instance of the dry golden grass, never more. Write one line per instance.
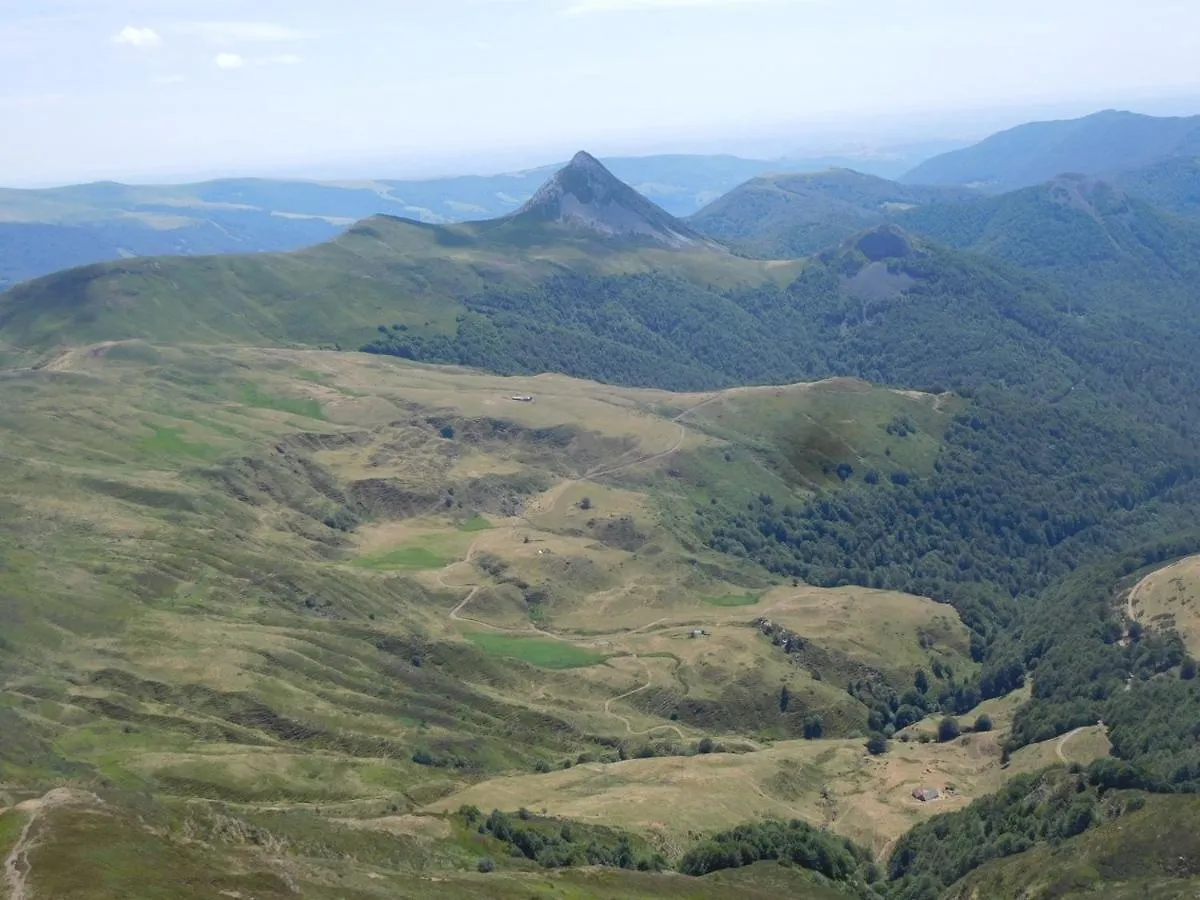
(1170, 598)
(868, 625)
(637, 606)
(830, 783)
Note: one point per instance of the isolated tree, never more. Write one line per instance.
(813, 728)
(1187, 669)
(948, 729)
(705, 745)
(585, 503)
(785, 698)
(921, 681)
(983, 723)
(877, 745)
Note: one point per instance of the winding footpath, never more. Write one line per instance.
(637, 690)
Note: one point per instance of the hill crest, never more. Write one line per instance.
(584, 195)
(1103, 143)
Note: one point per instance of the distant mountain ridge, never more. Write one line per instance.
(48, 230)
(1103, 143)
(384, 270)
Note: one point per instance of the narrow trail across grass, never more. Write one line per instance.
(17, 866)
(637, 690)
(548, 501)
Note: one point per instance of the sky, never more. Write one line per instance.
(148, 90)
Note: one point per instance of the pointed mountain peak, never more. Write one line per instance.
(585, 160)
(585, 196)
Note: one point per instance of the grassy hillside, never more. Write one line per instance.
(48, 230)
(1166, 599)
(327, 597)
(297, 597)
(314, 591)
(381, 271)
(785, 216)
(1071, 468)
(1099, 144)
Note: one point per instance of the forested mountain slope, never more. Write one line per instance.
(1111, 252)
(1172, 185)
(784, 216)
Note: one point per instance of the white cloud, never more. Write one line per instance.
(585, 7)
(137, 37)
(232, 61)
(226, 33)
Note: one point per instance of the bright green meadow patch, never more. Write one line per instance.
(733, 600)
(542, 652)
(413, 558)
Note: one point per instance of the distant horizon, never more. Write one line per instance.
(176, 90)
(838, 143)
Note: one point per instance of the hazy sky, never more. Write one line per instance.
(142, 88)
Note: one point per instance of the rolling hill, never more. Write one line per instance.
(784, 216)
(48, 230)
(299, 597)
(1103, 143)
(690, 534)
(382, 270)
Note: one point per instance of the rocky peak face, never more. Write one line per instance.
(586, 196)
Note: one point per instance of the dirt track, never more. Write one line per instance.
(17, 866)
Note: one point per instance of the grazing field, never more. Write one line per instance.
(344, 594)
(732, 600)
(829, 783)
(403, 558)
(541, 652)
(1170, 598)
